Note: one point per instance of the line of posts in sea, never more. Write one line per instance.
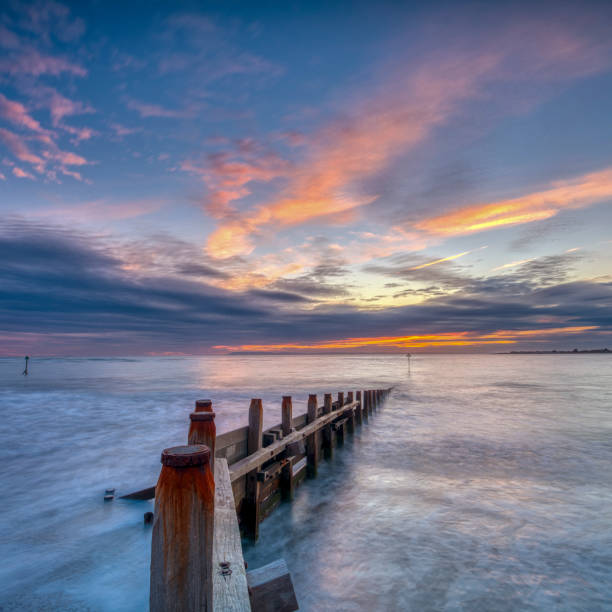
(214, 488)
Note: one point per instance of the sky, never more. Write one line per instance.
(210, 177)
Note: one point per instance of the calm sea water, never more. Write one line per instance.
(484, 483)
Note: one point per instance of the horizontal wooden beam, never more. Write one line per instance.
(230, 589)
(253, 461)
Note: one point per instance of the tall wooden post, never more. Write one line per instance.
(286, 477)
(358, 409)
(251, 516)
(328, 431)
(182, 539)
(287, 415)
(351, 418)
(364, 405)
(370, 401)
(202, 428)
(340, 399)
(312, 441)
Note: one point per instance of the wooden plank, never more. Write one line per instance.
(271, 588)
(231, 437)
(230, 589)
(148, 493)
(298, 466)
(242, 467)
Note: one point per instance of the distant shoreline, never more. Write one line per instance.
(572, 352)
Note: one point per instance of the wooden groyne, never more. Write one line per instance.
(215, 488)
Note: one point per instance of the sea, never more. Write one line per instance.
(484, 482)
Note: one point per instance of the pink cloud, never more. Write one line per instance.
(60, 106)
(401, 114)
(31, 62)
(16, 113)
(20, 150)
(122, 130)
(19, 173)
(154, 110)
(226, 174)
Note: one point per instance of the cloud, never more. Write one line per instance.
(20, 150)
(368, 137)
(227, 173)
(578, 192)
(19, 173)
(33, 63)
(48, 19)
(75, 294)
(16, 113)
(155, 110)
(194, 44)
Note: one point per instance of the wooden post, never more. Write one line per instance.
(364, 405)
(182, 540)
(328, 431)
(202, 428)
(286, 479)
(250, 505)
(312, 442)
(351, 421)
(359, 408)
(370, 401)
(204, 405)
(271, 588)
(340, 399)
(287, 415)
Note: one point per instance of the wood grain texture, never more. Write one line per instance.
(272, 589)
(242, 467)
(230, 590)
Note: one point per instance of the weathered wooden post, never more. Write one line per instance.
(371, 405)
(287, 415)
(358, 409)
(254, 443)
(202, 428)
(340, 399)
(182, 540)
(328, 431)
(351, 419)
(312, 441)
(286, 479)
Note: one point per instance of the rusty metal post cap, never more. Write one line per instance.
(203, 405)
(185, 456)
(202, 416)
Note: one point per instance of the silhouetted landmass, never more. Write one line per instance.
(572, 352)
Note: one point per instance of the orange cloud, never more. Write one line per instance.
(400, 115)
(574, 193)
(463, 338)
(449, 258)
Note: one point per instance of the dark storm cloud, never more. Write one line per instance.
(56, 282)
